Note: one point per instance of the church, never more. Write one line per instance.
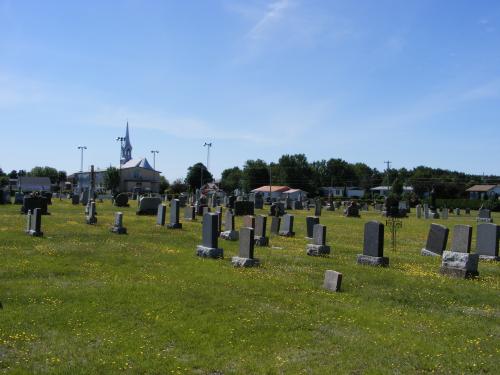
(136, 175)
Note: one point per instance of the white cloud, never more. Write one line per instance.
(274, 13)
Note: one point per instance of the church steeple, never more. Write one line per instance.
(126, 148)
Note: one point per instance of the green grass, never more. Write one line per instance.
(84, 300)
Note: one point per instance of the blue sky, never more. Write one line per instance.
(414, 82)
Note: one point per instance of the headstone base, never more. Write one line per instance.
(245, 262)
(209, 252)
(261, 241)
(174, 226)
(230, 235)
(373, 261)
(333, 281)
(484, 220)
(91, 220)
(317, 250)
(489, 257)
(119, 230)
(458, 272)
(34, 233)
(429, 253)
(286, 234)
(148, 212)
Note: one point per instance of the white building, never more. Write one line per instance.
(385, 190)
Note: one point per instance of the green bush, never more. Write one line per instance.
(473, 204)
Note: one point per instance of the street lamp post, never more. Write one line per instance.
(154, 152)
(208, 145)
(81, 148)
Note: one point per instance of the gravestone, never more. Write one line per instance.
(249, 221)
(487, 239)
(318, 247)
(219, 221)
(246, 249)
(311, 221)
(484, 215)
(444, 213)
(275, 224)
(209, 247)
(205, 210)
(75, 199)
(18, 198)
(418, 211)
(331, 205)
(91, 218)
(5, 197)
(297, 205)
(352, 210)
(189, 213)
(457, 211)
(436, 240)
(121, 200)
(30, 203)
(242, 208)
(287, 230)
(373, 245)
(34, 223)
(84, 197)
(317, 207)
(277, 209)
(231, 201)
(467, 211)
(118, 227)
(258, 202)
(427, 213)
(149, 205)
(260, 231)
(462, 237)
(333, 280)
(174, 215)
(229, 230)
(456, 264)
(161, 214)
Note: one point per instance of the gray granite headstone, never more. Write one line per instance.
(333, 281)
(229, 229)
(249, 221)
(418, 211)
(245, 257)
(161, 215)
(91, 214)
(118, 227)
(275, 224)
(457, 264)
(484, 215)
(462, 237)
(174, 215)
(487, 240)
(209, 247)
(35, 223)
(436, 240)
(318, 246)
(317, 207)
(287, 229)
(373, 245)
(190, 213)
(260, 231)
(311, 221)
(148, 205)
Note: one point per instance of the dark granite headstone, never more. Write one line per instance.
(373, 245)
(260, 231)
(242, 208)
(18, 198)
(121, 200)
(30, 203)
(436, 240)
(75, 199)
(311, 221)
(229, 230)
(462, 237)
(208, 248)
(487, 239)
(318, 246)
(148, 206)
(317, 207)
(484, 215)
(161, 215)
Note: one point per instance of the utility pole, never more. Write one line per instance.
(270, 184)
(387, 172)
(81, 148)
(154, 152)
(208, 145)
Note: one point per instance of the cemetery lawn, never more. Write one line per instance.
(82, 300)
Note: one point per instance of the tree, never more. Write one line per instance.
(296, 172)
(397, 188)
(13, 174)
(45, 172)
(112, 179)
(21, 173)
(193, 178)
(255, 174)
(164, 184)
(178, 186)
(231, 179)
(61, 176)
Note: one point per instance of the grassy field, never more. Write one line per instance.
(82, 300)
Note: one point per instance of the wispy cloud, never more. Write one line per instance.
(274, 13)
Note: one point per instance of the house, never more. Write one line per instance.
(483, 191)
(27, 184)
(384, 191)
(295, 194)
(342, 191)
(274, 191)
(137, 175)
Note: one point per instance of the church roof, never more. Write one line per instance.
(141, 163)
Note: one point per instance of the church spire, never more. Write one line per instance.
(126, 148)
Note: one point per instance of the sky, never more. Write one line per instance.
(413, 82)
